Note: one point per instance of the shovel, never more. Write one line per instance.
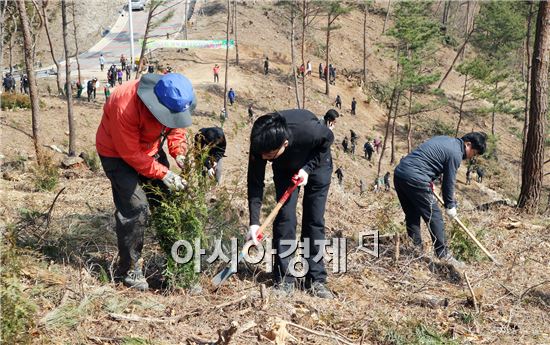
(227, 272)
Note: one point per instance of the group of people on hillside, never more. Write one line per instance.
(9, 83)
(327, 71)
(144, 114)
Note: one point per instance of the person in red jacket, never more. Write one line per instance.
(139, 117)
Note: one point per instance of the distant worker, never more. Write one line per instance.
(107, 91)
(101, 61)
(266, 65)
(377, 144)
(368, 149)
(91, 89)
(119, 76)
(353, 106)
(345, 144)
(320, 70)
(387, 181)
(123, 61)
(338, 102)
(308, 68)
(231, 96)
(480, 173)
(216, 71)
(340, 175)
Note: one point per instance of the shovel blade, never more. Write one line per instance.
(225, 274)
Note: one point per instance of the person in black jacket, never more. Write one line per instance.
(340, 175)
(212, 140)
(298, 145)
(368, 150)
(413, 179)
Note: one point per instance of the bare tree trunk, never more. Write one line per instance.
(458, 53)
(73, 12)
(388, 121)
(2, 16)
(446, 9)
(35, 107)
(387, 16)
(493, 113)
(226, 56)
(409, 130)
(72, 133)
(393, 128)
(144, 43)
(327, 83)
(186, 9)
(528, 79)
(533, 163)
(461, 104)
(304, 19)
(236, 36)
(365, 44)
(293, 58)
(52, 53)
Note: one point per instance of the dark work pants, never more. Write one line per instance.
(418, 201)
(132, 194)
(313, 222)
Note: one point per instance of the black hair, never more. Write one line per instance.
(331, 115)
(478, 141)
(269, 133)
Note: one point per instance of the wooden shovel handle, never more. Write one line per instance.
(280, 204)
(469, 233)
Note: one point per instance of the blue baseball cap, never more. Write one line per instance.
(170, 98)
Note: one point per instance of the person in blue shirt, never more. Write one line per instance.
(231, 96)
(413, 179)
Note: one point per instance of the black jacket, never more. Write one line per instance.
(308, 148)
(214, 138)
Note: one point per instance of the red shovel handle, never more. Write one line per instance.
(282, 200)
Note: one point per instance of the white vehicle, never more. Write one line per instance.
(138, 5)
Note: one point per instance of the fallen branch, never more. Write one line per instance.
(335, 337)
(474, 299)
(223, 305)
(531, 288)
(137, 318)
(49, 214)
(103, 340)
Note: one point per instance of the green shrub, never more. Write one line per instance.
(17, 312)
(45, 175)
(186, 215)
(92, 160)
(462, 245)
(15, 100)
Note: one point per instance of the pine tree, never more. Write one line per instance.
(533, 163)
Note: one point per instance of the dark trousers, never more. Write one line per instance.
(417, 201)
(313, 222)
(368, 155)
(132, 194)
(216, 78)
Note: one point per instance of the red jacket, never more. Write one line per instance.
(128, 130)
